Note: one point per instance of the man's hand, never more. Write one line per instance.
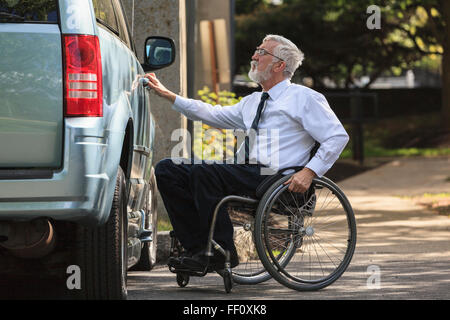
(300, 181)
(160, 90)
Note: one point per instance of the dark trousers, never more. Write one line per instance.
(190, 193)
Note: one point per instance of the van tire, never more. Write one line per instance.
(102, 251)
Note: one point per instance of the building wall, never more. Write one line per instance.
(179, 20)
(212, 10)
(162, 18)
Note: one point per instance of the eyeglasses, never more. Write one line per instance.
(261, 52)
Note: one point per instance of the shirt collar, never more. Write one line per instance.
(278, 89)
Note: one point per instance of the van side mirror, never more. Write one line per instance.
(159, 52)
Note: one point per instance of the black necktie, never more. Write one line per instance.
(255, 123)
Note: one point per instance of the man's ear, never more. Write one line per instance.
(280, 66)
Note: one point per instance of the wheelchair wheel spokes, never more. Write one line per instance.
(280, 244)
(316, 231)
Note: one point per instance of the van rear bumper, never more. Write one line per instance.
(81, 191)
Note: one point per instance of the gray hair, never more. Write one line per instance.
(287, 51)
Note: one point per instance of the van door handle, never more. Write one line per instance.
(144, 82)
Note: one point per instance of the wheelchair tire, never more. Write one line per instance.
(182, 279)
(319, 223)
(251, 278)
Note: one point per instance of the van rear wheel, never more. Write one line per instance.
(102, 252)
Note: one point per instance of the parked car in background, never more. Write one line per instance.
(76, 140)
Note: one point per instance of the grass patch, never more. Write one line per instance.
(406, 136)
(377, 151)
(436, 195)
(164, 225)
(436, 202)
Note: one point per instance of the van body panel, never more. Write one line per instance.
(77, 17)
(121, 68)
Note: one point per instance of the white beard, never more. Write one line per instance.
(259, 76)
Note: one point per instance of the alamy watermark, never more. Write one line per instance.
(374, 279)
(374, 20)
(219, 147)
(74, 279)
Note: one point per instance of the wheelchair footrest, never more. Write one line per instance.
(189, 272)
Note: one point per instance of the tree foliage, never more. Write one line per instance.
(212, 143)
(31, 10)
(339, 46)
(335, 38)
(248, 6)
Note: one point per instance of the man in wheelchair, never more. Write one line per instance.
(301, 117)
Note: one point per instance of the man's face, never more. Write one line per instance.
(261, 66)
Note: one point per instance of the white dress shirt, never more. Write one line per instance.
(294, 118)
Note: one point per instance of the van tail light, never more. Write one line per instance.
(83, 90)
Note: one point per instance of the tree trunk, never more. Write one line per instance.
(446, 68)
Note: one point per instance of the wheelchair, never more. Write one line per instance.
(305, 241)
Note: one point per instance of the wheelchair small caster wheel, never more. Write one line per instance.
(227, 280)
(182, 279)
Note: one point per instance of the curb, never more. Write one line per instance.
(163, 246)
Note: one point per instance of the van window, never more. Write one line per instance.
(121, 19)
(29, 11)
(104, 12)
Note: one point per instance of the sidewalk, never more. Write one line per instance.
(407, 244)
(402, 177)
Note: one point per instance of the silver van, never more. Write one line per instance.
(76, 138)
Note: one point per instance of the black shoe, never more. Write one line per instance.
(197, 262)
(176, 262)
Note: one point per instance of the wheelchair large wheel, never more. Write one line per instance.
(317, 229)
(250, 269)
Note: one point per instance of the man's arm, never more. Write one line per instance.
(322, 124)
(227, 117)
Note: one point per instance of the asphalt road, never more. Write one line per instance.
(402, 252)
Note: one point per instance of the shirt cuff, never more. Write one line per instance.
(180, 103)
(318, 166)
